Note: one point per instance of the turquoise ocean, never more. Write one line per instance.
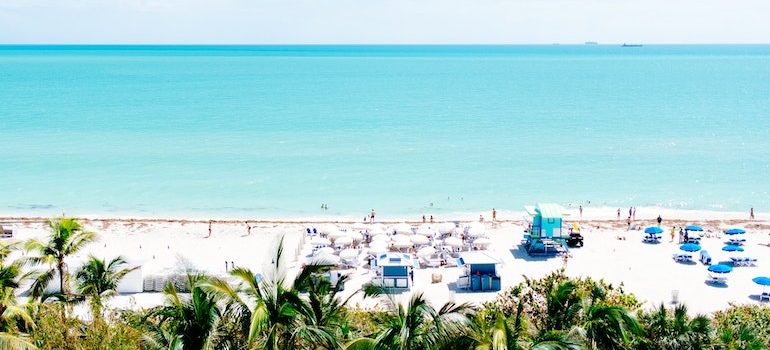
(275, 131)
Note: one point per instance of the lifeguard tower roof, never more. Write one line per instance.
(545, 210)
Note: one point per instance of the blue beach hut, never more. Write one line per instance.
(480, 271)
(394, 270)
(545, 229)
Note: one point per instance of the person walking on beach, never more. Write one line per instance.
(494, 214)
(481, 218)
(628, 221)
(751, 214)
(210, 221)
(633, 214)
(248, 228)
(371, 216)
(423, 219)
(580, 209)
(431, 219)
(673, 233)
(630, 211)
(660, 219)
(618, 213)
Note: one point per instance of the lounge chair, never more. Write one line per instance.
(765, 295)
(682, 257)
(717, 279)
(6, 232)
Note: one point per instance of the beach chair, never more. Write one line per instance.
(6, 232)
(717, 279)
(705, 257)
(763, 296)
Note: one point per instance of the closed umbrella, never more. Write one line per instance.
(343, 241)
(453, 242)
(419, 239)
(348, 253)
(426, 251)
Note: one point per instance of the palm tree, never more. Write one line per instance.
(189, 321)
(98, 280)
(742, 338)
(271, 312)
(675, 330)
(415, 326)
(67, 238)
(11, 314)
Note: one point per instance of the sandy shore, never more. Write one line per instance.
(647, 270)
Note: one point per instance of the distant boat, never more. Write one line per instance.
(591, 43)
(632, 45)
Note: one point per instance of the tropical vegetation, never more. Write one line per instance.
(244, 311)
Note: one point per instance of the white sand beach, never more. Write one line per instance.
(165, 246)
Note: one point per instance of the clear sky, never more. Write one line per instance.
(383, 21)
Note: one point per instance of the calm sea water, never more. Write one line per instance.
(278, 130)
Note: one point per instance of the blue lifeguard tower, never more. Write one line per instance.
(480, 271)
(544, 232)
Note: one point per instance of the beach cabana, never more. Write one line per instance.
(394, 270)
(480, 271)
(545, 230)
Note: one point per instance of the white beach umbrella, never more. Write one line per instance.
(343, 241)
(317, 240)
(402, 244)
(482, 242)
(356, 236)
(326, 259)
(446, 228)
(378, 247)
(360, 226)
(348, 253)
(426, 251)
(327, 228)
(403, 229)
(377, 229)
(324, 251)
(476, 230)
(400, 237)
(453, 242)
(419, 239)
(381, 237)
(425, 231)
(334, 235)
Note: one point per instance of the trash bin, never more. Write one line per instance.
(675, 296)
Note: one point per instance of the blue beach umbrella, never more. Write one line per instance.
(653, 230)
(719, 268)
(690, 247)
(693, 228)
(762, 281)
(732, 248)
(735, 231)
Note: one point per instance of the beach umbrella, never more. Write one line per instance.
(376, 229)
(356, 236)
(378, 247)
(333, 235)
(762, 281)
(317, 240)
(426, 251)
(381, 237)
(482, 242)
(425, 231)
(343, 241)
(403, 229)
(348, 253)
(453, 242)
(324, 251)
(689, 247)
(400, 237)
(328, 228)
(402, 244)
(476, 229)
(360, 226)
(720, 268)
(326, 260)
(732, 248)
(446, 228)
(654, 230)
(735, 231)
(693, 228)
(419, 239)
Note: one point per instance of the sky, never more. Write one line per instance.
(383, 21)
